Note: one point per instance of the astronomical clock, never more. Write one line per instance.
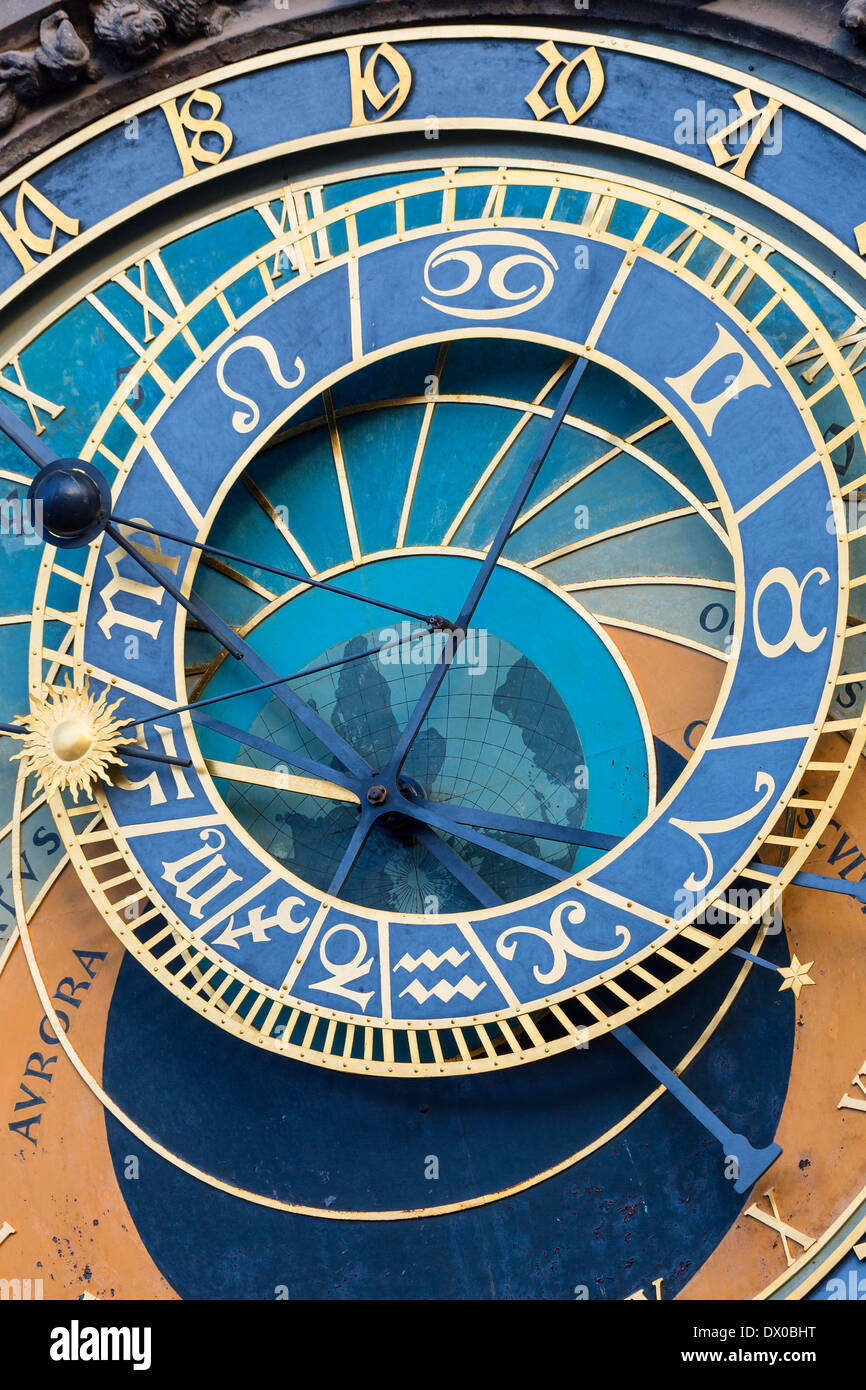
(433, 651)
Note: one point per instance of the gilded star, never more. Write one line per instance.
(795, 976)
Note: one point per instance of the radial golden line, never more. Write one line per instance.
(503, 450)
(173, 481)
(342, 478)
(620, 446)
(246, 581)
(273, 516)
(778, 486)
(599, 210)
(623, 446)
(614, 531)
(423, 435)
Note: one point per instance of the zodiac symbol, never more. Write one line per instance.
(341, 975)
(258, 925)
(796, 636)
(527, 252)
(697, 829)
(245, 421)
(561, 946)
(443, 989)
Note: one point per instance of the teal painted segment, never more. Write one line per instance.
(621, 492)
(499, 367)
(229, 597)
(461, 441)
(378, 448)
(407, 374)
(301, 475)
(20, 556)
(668, 447)
(546, 631)
(683, 546)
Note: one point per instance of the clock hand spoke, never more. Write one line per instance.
(127, 752)
(306, 579)
(228, 638)
(242, 735)
(428, 814)
(751, 1162)
(451, 860)
(505, 448)
(823, 882)
(277, 680)
(317, 770)
(24, 438)
(518, 825)
(439, 672)
(353, 849)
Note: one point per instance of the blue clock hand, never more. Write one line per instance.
(451, 860)
(515, 825)
(28, 442)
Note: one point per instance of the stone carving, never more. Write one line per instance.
(60, 59)
(853, 17)
(135, 30)
(130, 31)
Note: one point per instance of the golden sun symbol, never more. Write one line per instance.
(70, 739)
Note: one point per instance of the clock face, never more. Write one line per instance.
(433, 619)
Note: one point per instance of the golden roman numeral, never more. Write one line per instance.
(854, 338)
(495, 200)
(33, 400)
(728, 275)
(855, 1102)
(300, 207)
(783, 1228)
(151, 309)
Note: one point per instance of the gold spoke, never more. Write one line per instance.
(273, 515)
(213, 562)
(342, 478)
(627, 528)
(279, 781)
(419, 449)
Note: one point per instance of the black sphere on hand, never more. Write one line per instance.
(70, 502)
